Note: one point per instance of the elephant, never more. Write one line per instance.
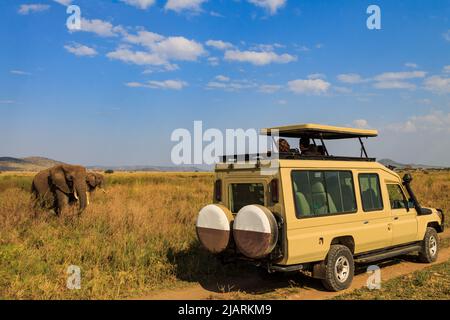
(56, 187)
(95, 180)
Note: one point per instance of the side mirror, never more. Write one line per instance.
(424, 211)
(407, 178)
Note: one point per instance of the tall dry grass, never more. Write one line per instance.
(433, 189)
(138, 237)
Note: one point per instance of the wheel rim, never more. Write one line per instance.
(342, 269)
(432, 247)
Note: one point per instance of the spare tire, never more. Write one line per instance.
(255, 231)
(213, 227)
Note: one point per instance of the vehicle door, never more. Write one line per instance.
(404, 219)
(376, 229)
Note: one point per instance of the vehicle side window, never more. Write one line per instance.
(319, 193)
(396, 196)
(369, 184)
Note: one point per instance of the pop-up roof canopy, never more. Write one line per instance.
(318, 131)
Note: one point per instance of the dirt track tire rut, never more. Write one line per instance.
(312, 290)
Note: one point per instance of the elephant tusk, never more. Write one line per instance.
(87, 197)
(75, 194)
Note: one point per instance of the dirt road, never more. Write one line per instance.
(293, 286)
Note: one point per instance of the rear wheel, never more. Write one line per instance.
(430, 246)
(339, 268)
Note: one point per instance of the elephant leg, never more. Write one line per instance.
(61, 201)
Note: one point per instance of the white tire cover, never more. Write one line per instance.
(255, 231)
(213, 227)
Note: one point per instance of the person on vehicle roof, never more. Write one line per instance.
(283, 146)
(308, 149)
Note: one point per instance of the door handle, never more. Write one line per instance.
(366, 222)
(395, 218)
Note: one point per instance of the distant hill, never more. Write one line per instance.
(26, 164)
(41, 163)
(147, 168)
(398, 165)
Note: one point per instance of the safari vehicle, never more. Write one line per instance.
(319, 213)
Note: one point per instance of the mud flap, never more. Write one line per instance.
(319, 270)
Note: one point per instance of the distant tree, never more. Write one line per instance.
(109, 171)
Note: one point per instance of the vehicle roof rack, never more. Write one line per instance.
(319, 131)
(289, 156)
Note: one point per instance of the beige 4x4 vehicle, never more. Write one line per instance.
(319, 213)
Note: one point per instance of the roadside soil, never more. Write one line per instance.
(294, 286)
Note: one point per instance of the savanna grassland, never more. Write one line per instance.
(137, 238)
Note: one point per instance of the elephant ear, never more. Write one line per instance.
(59, 180)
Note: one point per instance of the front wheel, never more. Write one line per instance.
(430, 246)
(339, 268)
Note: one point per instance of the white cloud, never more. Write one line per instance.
(446, 69)
(269, 88)
(301, 48)
(225, 83)
(411, 65)
(386, 80)
(361, 123)
(437, 84)
(182, 5)
(136, 57)
(216, 14)
(163, 68)
(394, 85)
(231, 85)
(213, 61)
(167, 48)
(258, 58)
(436, 121)
(394, 76)
(266, 47)
(100, 27)
(166, 84)
(316, 76)
(343, 90)
(81, 50)
(20, 73)
(446, 35)
(272, 6)
(179, 48)
(7, 102)
(316, 86)
(159, 50)
(351, 78)
(219, 44)
(282, 102)
(144, 38)
(64, 2)
(395, 80)
(222, 78)
(25, 9)
(141, 4)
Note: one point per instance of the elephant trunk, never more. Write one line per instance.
(81, 193)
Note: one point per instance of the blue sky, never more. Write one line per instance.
(113, 92)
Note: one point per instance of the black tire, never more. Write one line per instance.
(338, 259)
(430, 246)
